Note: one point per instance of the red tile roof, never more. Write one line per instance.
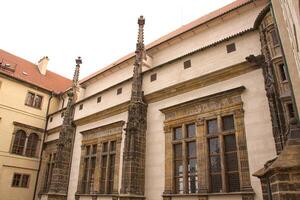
(29, 72)
(177, 32)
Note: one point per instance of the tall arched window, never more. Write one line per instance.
(19, 142)
(32, 145)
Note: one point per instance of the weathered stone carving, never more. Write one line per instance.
(133, 173)
(60, 176)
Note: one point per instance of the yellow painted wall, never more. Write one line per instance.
(12, 108)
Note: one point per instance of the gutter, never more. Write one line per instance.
(42, 146)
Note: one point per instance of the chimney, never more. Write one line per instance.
(42, 65)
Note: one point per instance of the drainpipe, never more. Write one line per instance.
(287, 70)
(42, 145)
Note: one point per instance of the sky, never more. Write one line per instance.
(100, 31)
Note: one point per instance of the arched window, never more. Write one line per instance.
(31, 145)
(19, 142)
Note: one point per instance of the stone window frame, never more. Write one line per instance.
(28, 131)
(186, 113)
(98, 136)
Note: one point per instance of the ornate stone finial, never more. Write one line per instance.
(140, 41)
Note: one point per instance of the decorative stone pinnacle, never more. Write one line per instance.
(141, 20)
(78, 60)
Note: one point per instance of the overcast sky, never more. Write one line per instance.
(99, 31)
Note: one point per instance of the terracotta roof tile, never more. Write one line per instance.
(177, 32)
(29, 72)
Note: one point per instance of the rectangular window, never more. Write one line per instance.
(80, 106)
(291, 111)
(153, 77)
(282, 72)
(99, 99)
(107, 167)
(224, 140)
(212, 126)
(231, 161)
(89, 169)
(228, 123)
(230, 48)
(20, 180)
(119, 91)
(215, 165)
(62, 114)
(177, 135)
(33, 100)
(187, 64)
(185, 157)
(274, 37)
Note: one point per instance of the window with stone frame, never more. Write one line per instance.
(33, 100)
(205, 146)
(26, 140)
(184, 148)
(89, 168)
(49, 170)
(108, 155)
(31, 146)
(19, 142)
(222, 155)
(20, 180)
(100, 158)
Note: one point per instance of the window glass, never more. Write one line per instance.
(191, 132)
(212, 126)
(228, 123)
(177, 133)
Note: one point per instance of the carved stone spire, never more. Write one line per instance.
(60, 176)
(133, 173)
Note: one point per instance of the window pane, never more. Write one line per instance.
(92, 174)
(94, 149)
(88, 149)
(105, 147)
(37, 101)
(212, 126)
(215, 164)
(191, 149)
(192, 166)
(177, 133)
(19, 142)
(274, 37)
(228, 123)
(231, 161)
(25, 179)
(113, 146)
(230, 144)
(85, 175)
(193, 184)
(233, 182)
(29, 99)
(179, 185)
(178, 168)
(31, 145)
(214, 147)
(103, 174)
(191, 131)
(111, 174)
(16, 180)
(216, 183)
(282, 72)
(178, 151)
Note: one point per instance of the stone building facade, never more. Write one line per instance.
(207, 112)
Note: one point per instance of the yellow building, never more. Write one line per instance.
(27, 93)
